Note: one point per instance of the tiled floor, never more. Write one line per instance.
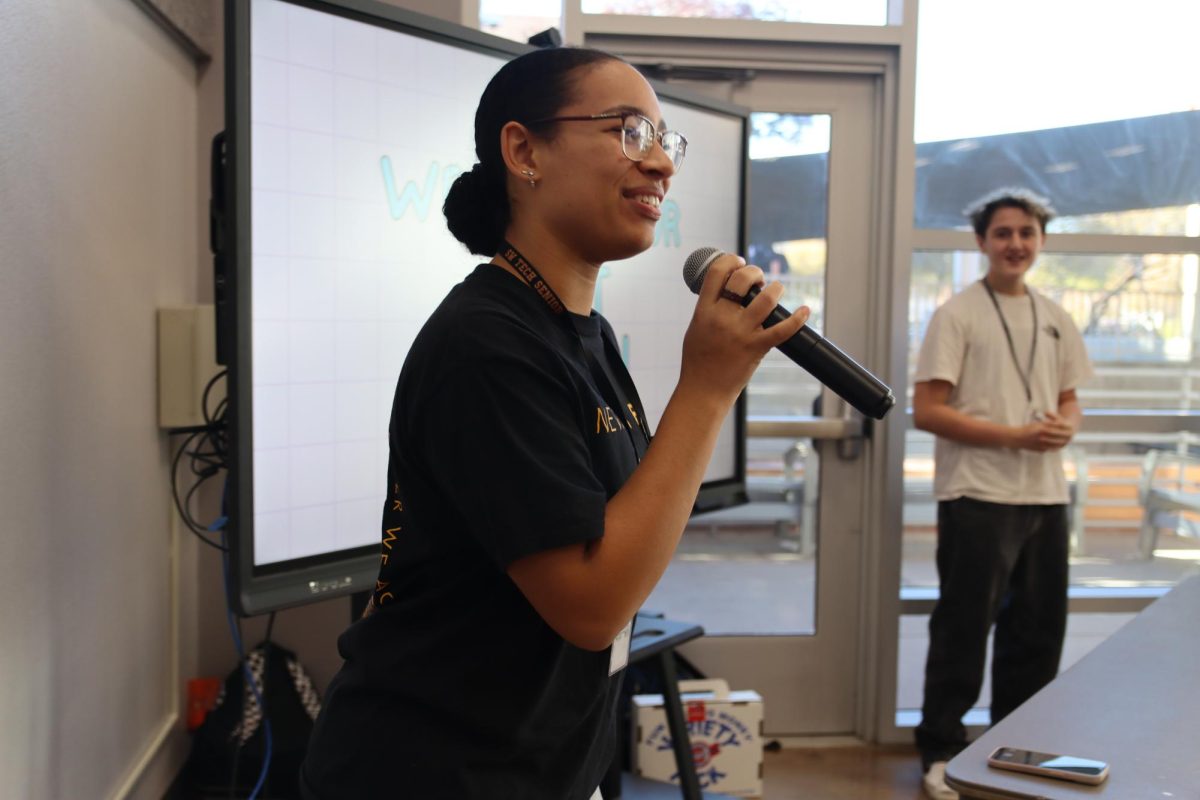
(842, 773)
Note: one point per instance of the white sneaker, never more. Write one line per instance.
(935, 783)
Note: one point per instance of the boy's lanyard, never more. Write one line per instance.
(1027, 375)
(600, 375)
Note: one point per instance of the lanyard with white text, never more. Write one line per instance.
(1027, 375)
(535, 281)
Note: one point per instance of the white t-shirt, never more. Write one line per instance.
(966, 346)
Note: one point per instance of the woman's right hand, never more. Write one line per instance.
(725, 341)
(587, 592)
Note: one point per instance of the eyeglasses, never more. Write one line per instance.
(638, 136)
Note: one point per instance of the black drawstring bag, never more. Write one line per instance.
(228, 749)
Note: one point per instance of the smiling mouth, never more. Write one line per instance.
(649, 206)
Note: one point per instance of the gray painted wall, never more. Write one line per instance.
(98, 130)
(104, 129)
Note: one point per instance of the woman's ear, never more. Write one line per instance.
(517, 146)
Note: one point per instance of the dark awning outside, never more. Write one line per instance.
(1147, 162)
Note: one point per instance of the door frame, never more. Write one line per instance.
(885, 57)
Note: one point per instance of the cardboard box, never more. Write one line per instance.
(725, 729)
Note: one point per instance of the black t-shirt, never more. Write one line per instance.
(503, 443)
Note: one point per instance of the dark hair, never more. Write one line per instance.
(982, 210)
(531, 87)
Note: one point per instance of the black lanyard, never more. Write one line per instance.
(1027, 375)
(600, 375)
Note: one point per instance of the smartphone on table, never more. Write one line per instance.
(1050, 765)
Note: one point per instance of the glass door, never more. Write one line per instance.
(777, 583)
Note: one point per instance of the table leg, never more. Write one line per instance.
(680, 740)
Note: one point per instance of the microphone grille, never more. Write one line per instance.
(696, 267)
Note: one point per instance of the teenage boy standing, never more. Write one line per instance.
(995, 382)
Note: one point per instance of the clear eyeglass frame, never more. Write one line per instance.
(638, 135)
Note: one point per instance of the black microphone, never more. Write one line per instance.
(816, 354)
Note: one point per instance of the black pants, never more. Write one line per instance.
(997, 564)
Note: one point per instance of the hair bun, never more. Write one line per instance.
(470, 216)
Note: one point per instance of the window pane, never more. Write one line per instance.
(1096, 114)
(768, 546)
(519, 19)
(834, 12)
(1137, 314)
(1134, 176)
(789, 158)
(1039, 64)
(1169, 221)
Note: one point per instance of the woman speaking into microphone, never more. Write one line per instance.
(529, 512)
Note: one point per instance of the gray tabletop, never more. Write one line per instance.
(1134, 702)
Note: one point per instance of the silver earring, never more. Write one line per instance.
(528, 173)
